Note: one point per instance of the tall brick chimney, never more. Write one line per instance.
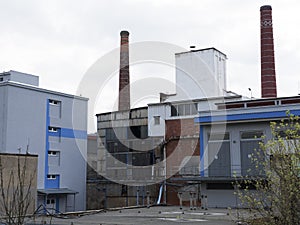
(124, 84)
(268, 77)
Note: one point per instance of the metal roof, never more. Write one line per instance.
(57, 191)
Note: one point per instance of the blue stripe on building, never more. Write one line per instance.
(69, 133)
(245, 116)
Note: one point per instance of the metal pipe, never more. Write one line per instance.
(180, 199)
(137, 197)
(191, 200)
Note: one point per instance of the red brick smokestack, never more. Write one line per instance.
(124, 84)
(268, 77)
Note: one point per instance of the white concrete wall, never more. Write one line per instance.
(200, 74)
(162, 112)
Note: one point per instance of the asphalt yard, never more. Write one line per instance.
(153, 215)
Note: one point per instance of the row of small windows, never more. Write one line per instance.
(51, 201)
(122, 133)
(184, 109)
(54, 156)
(245, 135)
(51, 176)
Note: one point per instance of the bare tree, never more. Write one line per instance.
(276, 199)
(18, 187)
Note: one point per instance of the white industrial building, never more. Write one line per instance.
(52, 125)
(200, 74)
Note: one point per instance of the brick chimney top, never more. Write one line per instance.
(124, 33)
(265, 7)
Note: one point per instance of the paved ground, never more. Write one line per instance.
(155, 215)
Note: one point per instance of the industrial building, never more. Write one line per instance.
(228, 141)
(52, 125)
(136, 146)
(193, 143)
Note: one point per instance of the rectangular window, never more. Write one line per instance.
(52, 181)
(50, 201)
(52, 129)
(249, 147)
(53, 158)
(251, 135)
(52, 153)
(174, 111)
(54, 134)
(156, 120)
(51, 177)
(54, 108)
(219, 155)
(218, 136)
(187, 109)
(181, 110)
(1, 79)
(194, 109)
(184, 109)
(247, 185)
(54, 102)
(219, 186)
(116, 133)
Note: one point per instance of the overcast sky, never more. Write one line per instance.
(59, 40)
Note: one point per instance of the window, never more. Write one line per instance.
(156, 120)
(249, 147)
(50, 201)
(219, 162)
(218, 136)
(1, 79)
(54, 102)
(181, 110)
(54, 134)
(187, 109)
(116, 133)
(52, 153)
(53, 158)
(251, 135)
(184, 109)
(174, 111)
(52, 129)
(247, 185)
(137, 132)
(51, 177)
(219, 186)
(54, 108)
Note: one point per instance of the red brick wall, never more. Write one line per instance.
(182, 136)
